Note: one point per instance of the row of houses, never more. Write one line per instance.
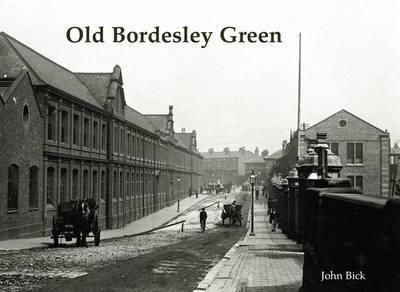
(230, 166)
(69, 136)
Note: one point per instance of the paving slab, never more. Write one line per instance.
(268, 261)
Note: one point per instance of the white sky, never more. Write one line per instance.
(234, 94)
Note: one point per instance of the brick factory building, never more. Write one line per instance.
(67, 136)
(363, 150)
(228, 166)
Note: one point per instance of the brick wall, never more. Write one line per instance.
(21, 144)
(375, 166)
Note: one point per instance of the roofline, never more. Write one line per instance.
(349, 114)
(46, 58)
(51, 87)
(36, 53)
(166, 115)
(14, 85)
(103, 73)
(6, 36)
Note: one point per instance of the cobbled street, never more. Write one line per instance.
(190, 254)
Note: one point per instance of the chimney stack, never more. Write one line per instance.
(211, 151)
(193, 144)
(284, 144)
(256, 151)
(170, 123)
(183, 130)
(226, 150)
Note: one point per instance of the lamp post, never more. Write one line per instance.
(212, 183)
(178, 181)
(252, 182)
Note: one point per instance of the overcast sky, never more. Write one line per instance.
(233, 94)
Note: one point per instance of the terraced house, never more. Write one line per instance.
(67, 136)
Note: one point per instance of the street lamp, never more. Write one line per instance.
(252, 182)
(178, 181)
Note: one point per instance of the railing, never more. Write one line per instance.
(351, 240)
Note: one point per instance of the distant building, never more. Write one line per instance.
(363, 150)
(228, 166)
(259, 170)
(270, 160)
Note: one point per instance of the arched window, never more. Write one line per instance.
(133, 184)
(121, 184)
(63, 185)
(75, 184)
(85, 186)
(33, 187)
(103, 185)
(127, 184)
(95, 184)
(25, 116)
(13, 183)
(115, 185)
(50, 185)
(51, 123)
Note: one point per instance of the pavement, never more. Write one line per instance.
(268, 261)
(142, 225)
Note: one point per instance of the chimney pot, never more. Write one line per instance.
(284, 144)
(321, 136)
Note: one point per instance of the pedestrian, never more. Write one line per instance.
(273, 217)
(233, 207)
(270, 204)
(257, 193)
(203, 219)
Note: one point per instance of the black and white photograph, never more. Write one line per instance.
(200, 145)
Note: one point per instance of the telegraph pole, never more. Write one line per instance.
(299, 101)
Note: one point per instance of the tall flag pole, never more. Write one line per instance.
(299, 101)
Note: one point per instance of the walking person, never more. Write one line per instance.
(273, 217)
(203, 219)
(270, 203)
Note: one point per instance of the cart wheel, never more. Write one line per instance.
(97, 238)
(96, 231)
(78, 240)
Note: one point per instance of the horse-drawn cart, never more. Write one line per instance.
(233, 213)
(76, 219)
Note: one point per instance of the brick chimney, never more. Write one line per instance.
(193, 144)
(170, 123)
(284, 144)
(256, 151)
(183, 130)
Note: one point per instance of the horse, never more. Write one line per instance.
(86, 215)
